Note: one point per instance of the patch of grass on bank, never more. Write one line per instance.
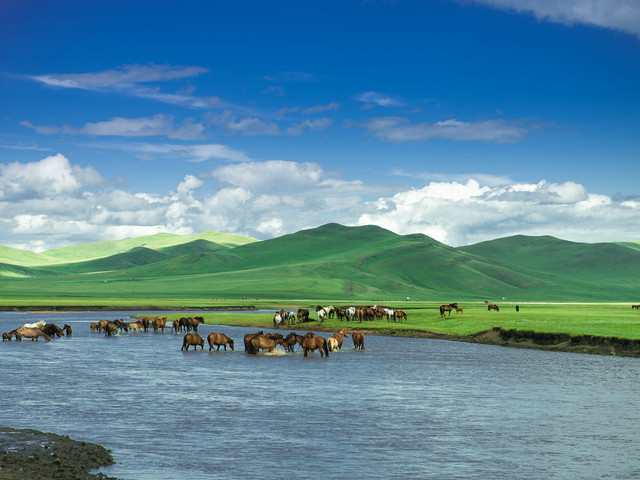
(607, 320)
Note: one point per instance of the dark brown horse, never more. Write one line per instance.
(68, 330)
(447, 308)
(7, 336)
(303, 315)
(144, 323)
(635, 306)
(192, 339)
(247, 341)
(219, 339)
(53, 330)
(358, 340)
(313, 343)
(110, 328)
(493, 306)
(94, 327)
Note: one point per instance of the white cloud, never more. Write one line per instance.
(321, 108)
(379, 99)
(129, 127)
(50, 177)
(52, 203)
(460, 214)
(397, 129)
(125, 75)
(623, 15)
(194, 153)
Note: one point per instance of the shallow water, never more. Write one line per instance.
(402, 408)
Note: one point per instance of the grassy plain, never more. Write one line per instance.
(607, 320)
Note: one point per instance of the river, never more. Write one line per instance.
(403, 408)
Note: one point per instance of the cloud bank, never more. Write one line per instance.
(53, 203)
(622, 15)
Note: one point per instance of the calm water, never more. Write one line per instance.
(403, 408)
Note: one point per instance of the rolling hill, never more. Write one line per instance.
(332, 262)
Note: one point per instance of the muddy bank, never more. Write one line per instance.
(34, 455)
(559, 341)
(562, 342)
(118, 308)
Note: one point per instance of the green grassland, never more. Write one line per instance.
(345, 266)
(606, 320)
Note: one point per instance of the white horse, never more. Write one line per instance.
(39, 324)
(321, 314)
(277, 319)
(350, 312)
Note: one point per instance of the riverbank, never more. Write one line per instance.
(122, 308)
(35, 455)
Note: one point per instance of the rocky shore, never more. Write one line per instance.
(34, 455)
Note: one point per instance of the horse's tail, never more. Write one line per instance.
(326, 349)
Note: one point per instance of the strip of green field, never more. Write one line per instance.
(607, 320)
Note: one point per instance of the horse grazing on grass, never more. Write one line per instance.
(493, 306)
(447, 308)
(637, 307)
(358, 340)
(219, 339)
(302, 315)
(32, 333)
(398, 315)
(192, 339)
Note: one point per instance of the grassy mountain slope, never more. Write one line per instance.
(106, 248)
(337, 262)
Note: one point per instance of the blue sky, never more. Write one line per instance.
(462, 120)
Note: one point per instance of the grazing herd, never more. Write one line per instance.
(367, 313)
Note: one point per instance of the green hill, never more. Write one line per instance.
(331, 262)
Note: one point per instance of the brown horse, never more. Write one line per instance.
(110, 328)
(192, 339)
(247, 341)
(261, 342)
(53, 330)
(313, 343)
(358, 340)
(94, 327)
(68, 330)
(102, 324)
(635, 306)
(493, 306)
(335, 340)
(159, 324)
(32, 333)
(458, 310)
(398, 315)
(7, 336)
(135, 326)
(219, 339)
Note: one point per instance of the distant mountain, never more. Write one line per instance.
(333, 262)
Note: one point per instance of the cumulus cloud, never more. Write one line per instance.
(129, 127)
(397, 129)
(464, 213)
(52, 203)
(622, 15)
(49, 177)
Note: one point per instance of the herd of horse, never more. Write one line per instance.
(267, 342)
(36, 330)
(367, 313)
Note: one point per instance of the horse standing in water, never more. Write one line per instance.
(358, 340)
(192, 339)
